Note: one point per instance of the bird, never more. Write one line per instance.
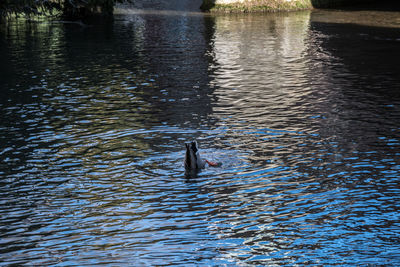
(193, 160)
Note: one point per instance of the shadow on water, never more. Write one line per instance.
(360, 5)
(379, 79)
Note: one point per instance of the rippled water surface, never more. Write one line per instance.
(301, 109)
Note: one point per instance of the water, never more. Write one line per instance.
(301, 109)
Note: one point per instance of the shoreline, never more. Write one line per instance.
(261, 6)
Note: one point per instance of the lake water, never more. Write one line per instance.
(301, 109)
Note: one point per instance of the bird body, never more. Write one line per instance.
(193, 160)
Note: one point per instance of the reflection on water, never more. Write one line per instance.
(301, 111)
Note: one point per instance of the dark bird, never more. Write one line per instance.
(193, 160)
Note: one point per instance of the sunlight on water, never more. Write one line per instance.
(301, 112)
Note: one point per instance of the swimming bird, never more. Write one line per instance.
(193, 160)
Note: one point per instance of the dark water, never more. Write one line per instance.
(301, 109)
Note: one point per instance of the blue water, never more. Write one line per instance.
(301, 109)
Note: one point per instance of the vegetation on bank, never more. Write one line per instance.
(256, 6)
(273, 5)
(65, 8)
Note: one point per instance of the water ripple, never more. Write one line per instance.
(306, 134)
